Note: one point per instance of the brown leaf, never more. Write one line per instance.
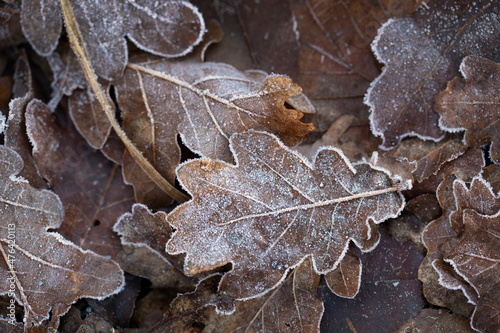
(345, 280)
(436, 321)
(169, 29)
(15, 135)
(421, 54)
(475, 257)
(472, 104)
(47, 272)
(150, 232)
(203, 102)
(89, 185)
(293, 307)
(273, 209)
(10, 26)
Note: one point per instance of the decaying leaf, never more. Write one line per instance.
(89, 185)
(475, 256)
(169, 28)
(273, 209)
(472, 104)
(344, 281)
(203, 102)
(293, 307)
(150, 232)
(45, 271)
(10, 24)
(421, 54)
(436, 321)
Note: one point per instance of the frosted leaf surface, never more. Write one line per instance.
(50, 273)
(273, 209)
(167, 28)
(345, 280)
(203, 102)
(473, 104)
(421, 54)
(142, 229)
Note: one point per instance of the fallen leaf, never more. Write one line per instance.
(10, 27)
(150, 232)
(59, 272)
(293, 307)
(421, 54)
(345, 280)
(475, 257)
(436, 321)
(15, 135)
(203, 102)
(168, 29)
(89, 185)
(273, 209)
(471, 104)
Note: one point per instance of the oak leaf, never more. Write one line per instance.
(472, 104)
(273, 209)
(48, 272)
(421, 54)
(91, 187)
(436, 321)
(166, 28)
(203, 102)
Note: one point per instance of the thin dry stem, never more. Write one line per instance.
(76, 40)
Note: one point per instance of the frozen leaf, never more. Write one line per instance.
(429, 156)
(475, 256)
(203, 102)
(436, 321)
(15, 135)
(421, 54)
(169, 28)
(344, 281)
(293, 307)
(389, 294)
(89, 185)
(472, 104)
(10, 24)
(335, 64)
(273, 209)
(150, 232)
(48, 272)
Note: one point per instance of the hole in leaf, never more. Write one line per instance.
(97, 223)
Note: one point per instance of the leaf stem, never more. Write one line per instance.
(78, 47)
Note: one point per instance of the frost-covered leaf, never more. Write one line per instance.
(15, 135)
(167, 28)
(473, 104)
(91, 187)
(293, 307)
(421, 54)
(10, 26)
(345, 280)
(203, 102)
(335, 64)
(475, 256)
(273, 209)
(150, 232)
(49, 272)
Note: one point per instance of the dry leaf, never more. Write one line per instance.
(89, 185)
(420, 55)
(293, 307)
(168, 28)
(10, 25)
(345, 280)
(150, 232)
(273, 209)
(59, 272)
(472, 104)
(203, 102)
(436, 321)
